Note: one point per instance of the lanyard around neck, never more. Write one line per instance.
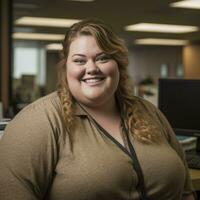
(140, 187)
(136, 165)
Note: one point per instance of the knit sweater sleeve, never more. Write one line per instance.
(171, 138)
(28, 154)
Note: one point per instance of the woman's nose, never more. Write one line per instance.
(92, 68)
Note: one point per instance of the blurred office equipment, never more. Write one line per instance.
(1, 110)
(26, 91)
(147, 89)
(3, 124)
(179, 100)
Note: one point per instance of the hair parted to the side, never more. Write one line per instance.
(112, 45)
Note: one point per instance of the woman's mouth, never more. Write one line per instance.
(93, 80)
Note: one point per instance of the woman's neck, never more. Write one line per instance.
(104, 112)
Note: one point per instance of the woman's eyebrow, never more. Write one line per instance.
(82, 55)
(77, 54)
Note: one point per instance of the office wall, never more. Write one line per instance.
(5, 52)
(191, 60)
(146, 61)
(51, 71)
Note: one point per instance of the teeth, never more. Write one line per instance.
(92, 80)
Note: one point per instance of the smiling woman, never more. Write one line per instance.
(92, 139)
(92, 75)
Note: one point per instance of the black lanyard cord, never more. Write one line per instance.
(137, 167)
(140, 187)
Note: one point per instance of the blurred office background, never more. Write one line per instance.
(163, 38)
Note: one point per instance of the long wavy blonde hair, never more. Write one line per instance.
(112, 45)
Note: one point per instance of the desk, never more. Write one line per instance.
(195, 176)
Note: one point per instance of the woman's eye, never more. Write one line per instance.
(79, 61)
(103, 58)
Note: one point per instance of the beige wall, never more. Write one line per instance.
(146, 61)
(191, 61)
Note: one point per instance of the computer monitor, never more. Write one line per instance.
(179, 100)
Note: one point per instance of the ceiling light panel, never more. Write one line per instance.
(38, 36)
(193, 4)
(161, 28)
(54, 46)
(157, 41)
(49, 22)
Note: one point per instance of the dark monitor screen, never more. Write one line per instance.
(179, 100)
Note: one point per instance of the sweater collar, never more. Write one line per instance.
(79, 111)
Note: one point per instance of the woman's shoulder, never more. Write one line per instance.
(156, 115)
(144, 104)
(45, 111)
(44, 102)
(38, 123)
(32, 136)
(44, 105)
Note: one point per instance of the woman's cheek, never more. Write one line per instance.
(75, 71)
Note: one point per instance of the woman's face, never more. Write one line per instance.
(92, 75)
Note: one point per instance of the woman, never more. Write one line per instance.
(92, 139)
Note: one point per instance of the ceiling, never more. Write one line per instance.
(116, 13)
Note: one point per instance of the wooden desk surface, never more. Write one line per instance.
(195, 176)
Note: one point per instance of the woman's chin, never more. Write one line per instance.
(93, 100)
(94, 94)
